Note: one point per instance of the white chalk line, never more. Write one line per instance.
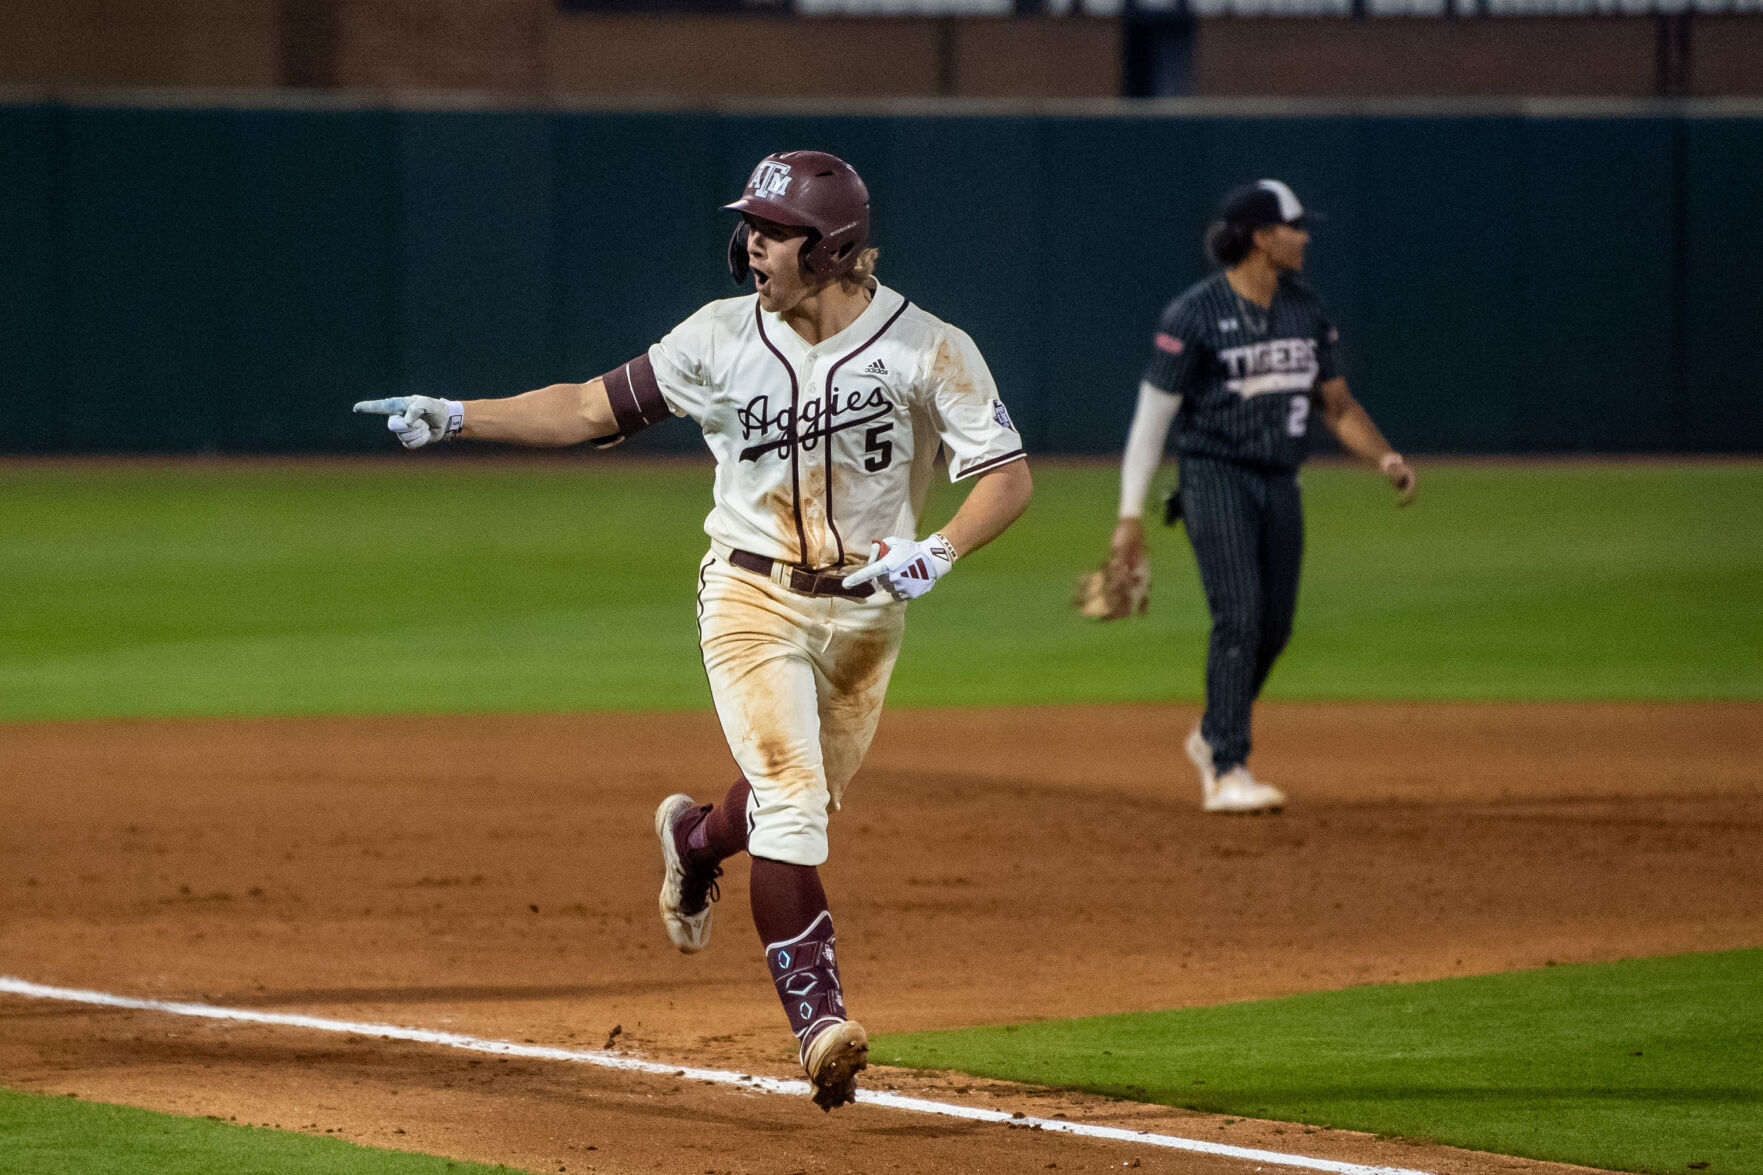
(608, 1060)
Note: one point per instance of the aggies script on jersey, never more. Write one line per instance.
(1245, 374)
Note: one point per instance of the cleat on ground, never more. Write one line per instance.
(1238, 791)
(832, 1061)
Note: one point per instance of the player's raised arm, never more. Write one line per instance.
(559, 414)
(604, 410)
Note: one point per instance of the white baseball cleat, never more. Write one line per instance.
(1238, 791)
(832, 1060)
(688, 896)
(1200, 755)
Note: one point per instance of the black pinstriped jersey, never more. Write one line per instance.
(1247, 375)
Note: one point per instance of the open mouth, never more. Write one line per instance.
(760, 279)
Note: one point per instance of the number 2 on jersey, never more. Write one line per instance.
(1300, 413)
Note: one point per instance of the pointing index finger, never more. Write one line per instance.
(390, 407)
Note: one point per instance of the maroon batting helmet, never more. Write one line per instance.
(812, 190)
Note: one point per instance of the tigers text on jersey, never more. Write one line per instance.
(821, 450)
(1245, 374)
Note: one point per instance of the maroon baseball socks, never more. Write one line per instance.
(789, 911)
(720, 832)
(791, 915)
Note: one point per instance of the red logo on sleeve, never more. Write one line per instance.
(1167, 342)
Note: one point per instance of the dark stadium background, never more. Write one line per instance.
(1540, 230)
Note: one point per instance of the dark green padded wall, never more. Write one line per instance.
(312, 311)
(33, 271)
(148, 238)
(231, 280)
(1718, 405)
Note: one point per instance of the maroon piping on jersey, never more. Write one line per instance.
(795, 450)
(992, 463)
(832, 371)
(635, 395)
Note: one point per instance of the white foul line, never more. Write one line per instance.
(607, 1060)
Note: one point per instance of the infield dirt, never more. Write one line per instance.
(496, 876)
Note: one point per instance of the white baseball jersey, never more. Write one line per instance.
(821, 450)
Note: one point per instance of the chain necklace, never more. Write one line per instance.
(1251, 323)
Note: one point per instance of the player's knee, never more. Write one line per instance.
(788, 838)
(789, 824)
(1236, 628)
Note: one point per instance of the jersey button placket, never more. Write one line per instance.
(817, 458)
(802, 456)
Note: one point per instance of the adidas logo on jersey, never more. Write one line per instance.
(876, 368)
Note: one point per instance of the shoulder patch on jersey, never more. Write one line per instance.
(1164, 341)
(1002, 415)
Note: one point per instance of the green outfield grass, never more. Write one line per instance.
(1644, 1065)
(429, 584)
(40, 1134)
(425, 584)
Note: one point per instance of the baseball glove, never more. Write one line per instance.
(1121, 588)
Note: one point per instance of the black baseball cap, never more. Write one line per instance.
(1261, 204)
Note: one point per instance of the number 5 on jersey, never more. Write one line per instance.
(878, 450)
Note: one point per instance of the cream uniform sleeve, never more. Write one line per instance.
(969, 416)
(682, 365)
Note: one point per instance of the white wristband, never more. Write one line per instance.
(455, 418)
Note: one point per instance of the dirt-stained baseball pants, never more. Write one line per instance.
(798, 683)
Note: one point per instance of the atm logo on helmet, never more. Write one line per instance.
(770, 178)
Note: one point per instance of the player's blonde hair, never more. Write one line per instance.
(862, 271)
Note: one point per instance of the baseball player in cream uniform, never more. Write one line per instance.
(827, 399)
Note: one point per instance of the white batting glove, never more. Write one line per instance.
(905, 568)
(418, 420)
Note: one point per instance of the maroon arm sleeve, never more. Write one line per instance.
(635, 397)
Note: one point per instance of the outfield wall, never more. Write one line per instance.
(1508, 279)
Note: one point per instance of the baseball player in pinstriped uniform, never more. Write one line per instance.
(1241, 360)
(825, 398)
